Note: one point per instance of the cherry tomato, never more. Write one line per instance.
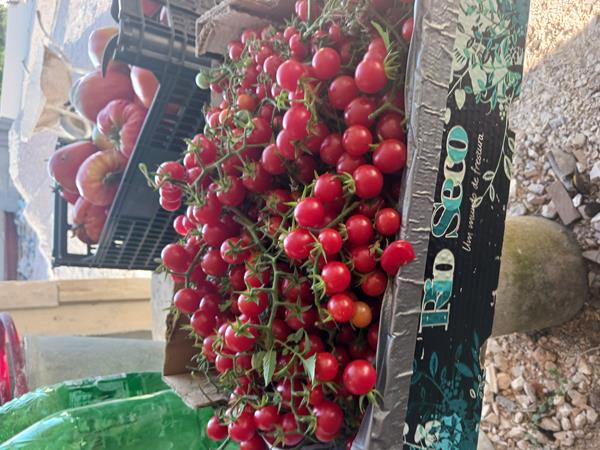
(239, 341)
(331, 240)
(253, 305)
(272, 161)
(341, 307)
(232, 192)
(370, 76)
(362, 315)
(407, 29)
(243, 428)
(395, 255)
(223, 363)
(176, 258)
(255, 178)
(387, 221)
(359, 377)
(186, 300)
(210, 304)
(255, 443)
(289, 73)
(357, 140)
(373, 335)
(374, 284)
(203, 324)
(359, 229)
(336, 277)
(389, 126)
(363, 259)
(309, 212)
(326, 63)
(296, 320)
(213, 264)
(298, 243)
(326, 366)
(266, 418)
(368, 181)
(234, 251)
(295, 122)
(328, 187)
(215, 429)
(180, 225)
(330, 419)
(331, 149)
(342, 91)
(293, 432)
(358, 111)
(390, 156)
(271, 65)
(209, 211)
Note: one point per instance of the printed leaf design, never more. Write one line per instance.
(460, 97)
(464, 369)
(488, 176)
(508, 167)
(420, 433)
(433, 364)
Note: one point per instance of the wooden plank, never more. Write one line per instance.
(111, 289)
(27, 294)
(85, 319)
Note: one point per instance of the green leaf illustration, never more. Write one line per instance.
(507, 167)
(464, 369)
(489, 175)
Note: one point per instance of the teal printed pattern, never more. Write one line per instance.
(466, 225)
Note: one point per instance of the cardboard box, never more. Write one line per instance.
(194, 388)
(225, 22)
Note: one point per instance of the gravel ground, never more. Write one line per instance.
(543, 388)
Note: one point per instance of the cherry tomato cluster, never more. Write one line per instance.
(289, 239)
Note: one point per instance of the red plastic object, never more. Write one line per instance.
(12, 366)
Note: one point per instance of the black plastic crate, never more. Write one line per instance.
(137, 228)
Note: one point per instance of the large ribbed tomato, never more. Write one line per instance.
(99, 176)
(121, 121)
(65, 162)
(88, 221)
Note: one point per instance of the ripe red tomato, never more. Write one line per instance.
(255, 443)
(342, 91)
(331, 240)
(368, 181)
(293, 431)
(359, 229)
(358, 111)
(387, 221)
(186, 300)
(357, 140)
(396, 254)
(295, 122)
(99, 176)
(390, 156)
(309, 212)
(203, 324)
(305, 319)
(348, 163)
(330, 419)
(234, 251)
(374, 284)
(370, 76)
(209, 211)
(359, 377)
(223, 363)
(239, 341)
(210, 304)
(304, 168)
(326, 63)
(235, 49)
(286, 147)
(215, 234)
(253, 305)
(341, 307)
(243, 428)
(389, 126)
(266, 418)
(272, 161)
(373, 335)
(289, 73)
(407, 29)
(176, 258)
(298, 243)
(271, 65)
(316, 136)
(213, 264)
(326, 366)
(297, 47)
(215, 429)
(88, 221)
(328, 187)
(363, 259)
(336, 277)
(232, 193)
(331, 149)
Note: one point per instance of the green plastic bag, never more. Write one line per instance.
(28, 409)
(158, 421)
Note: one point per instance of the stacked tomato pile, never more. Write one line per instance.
(115, 103)
(289, 240)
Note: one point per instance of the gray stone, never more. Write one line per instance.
(577, 200)
(592, 255)
(563, 163)
(579, 140)
(595, 172)
(549, 424)
(517, 209)
(536, 291)
(549, 211)
(536, 188)
(484, 443)
(567, 212)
